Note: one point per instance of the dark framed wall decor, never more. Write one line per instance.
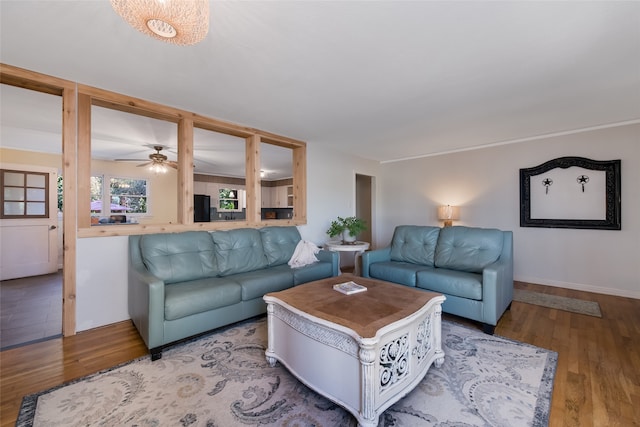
(571, 192)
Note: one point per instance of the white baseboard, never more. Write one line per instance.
(627, 293)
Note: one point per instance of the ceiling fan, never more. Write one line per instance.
(158, 162)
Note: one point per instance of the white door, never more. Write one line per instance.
(29, 221)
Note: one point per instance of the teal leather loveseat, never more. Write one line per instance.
(472, 267)
(184, 284)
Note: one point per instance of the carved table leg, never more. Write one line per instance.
(272, 361)
(368, 414)
(270, 338)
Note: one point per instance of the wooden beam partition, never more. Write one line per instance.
(128, 104)
(252, 182)
(299, 159)
(185, 171)
(84, 161)
(20, 77)
(70, 216)
(281, 141)
(300, 184)
(220, 126)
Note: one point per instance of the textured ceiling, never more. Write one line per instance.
(384, 80)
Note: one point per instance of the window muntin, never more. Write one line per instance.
(25, 194)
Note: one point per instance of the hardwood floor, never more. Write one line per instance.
(597, 381)
(36, 367)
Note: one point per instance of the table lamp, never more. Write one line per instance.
(448, 214)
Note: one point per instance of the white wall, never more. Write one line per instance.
(331, 188)
(331, 192)
(101, 281)
(485, 183)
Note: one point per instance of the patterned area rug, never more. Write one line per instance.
(590, 308)
(223, 380)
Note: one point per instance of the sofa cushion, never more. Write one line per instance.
(255, 284)
(239, 251)
(414, 244)
(279, 243)
(395, 271)
(197, 296)
(179, 257)
(468, 249)
(451, 282)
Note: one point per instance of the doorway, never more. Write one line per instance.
(31, 256)
(364, 203)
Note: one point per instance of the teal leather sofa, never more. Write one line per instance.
(184, 284)
(472, 267)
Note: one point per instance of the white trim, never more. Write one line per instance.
(515, 141)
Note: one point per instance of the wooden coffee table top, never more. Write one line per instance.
(366, 312)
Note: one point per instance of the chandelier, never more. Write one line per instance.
(181, 22)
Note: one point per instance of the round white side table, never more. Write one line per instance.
(358, 247)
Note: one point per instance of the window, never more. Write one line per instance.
(96, 194)
(129, 193)
(124, 196)
(228, 199)
(60, 193)
(24, 194)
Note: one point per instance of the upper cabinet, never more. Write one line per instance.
(282, 196)
(290, 196)
(267, 196)
(278, 196)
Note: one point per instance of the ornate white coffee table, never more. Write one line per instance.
(363, 351)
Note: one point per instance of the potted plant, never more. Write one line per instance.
(348, 228)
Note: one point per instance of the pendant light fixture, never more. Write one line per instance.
(182, 22)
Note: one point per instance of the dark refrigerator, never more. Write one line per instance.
(201, 208)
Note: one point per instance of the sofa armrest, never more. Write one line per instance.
(146, 299)
(370, 257)
(331, 257)
(497, 289)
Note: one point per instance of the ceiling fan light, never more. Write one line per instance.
(182, 22)
(158, 168)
